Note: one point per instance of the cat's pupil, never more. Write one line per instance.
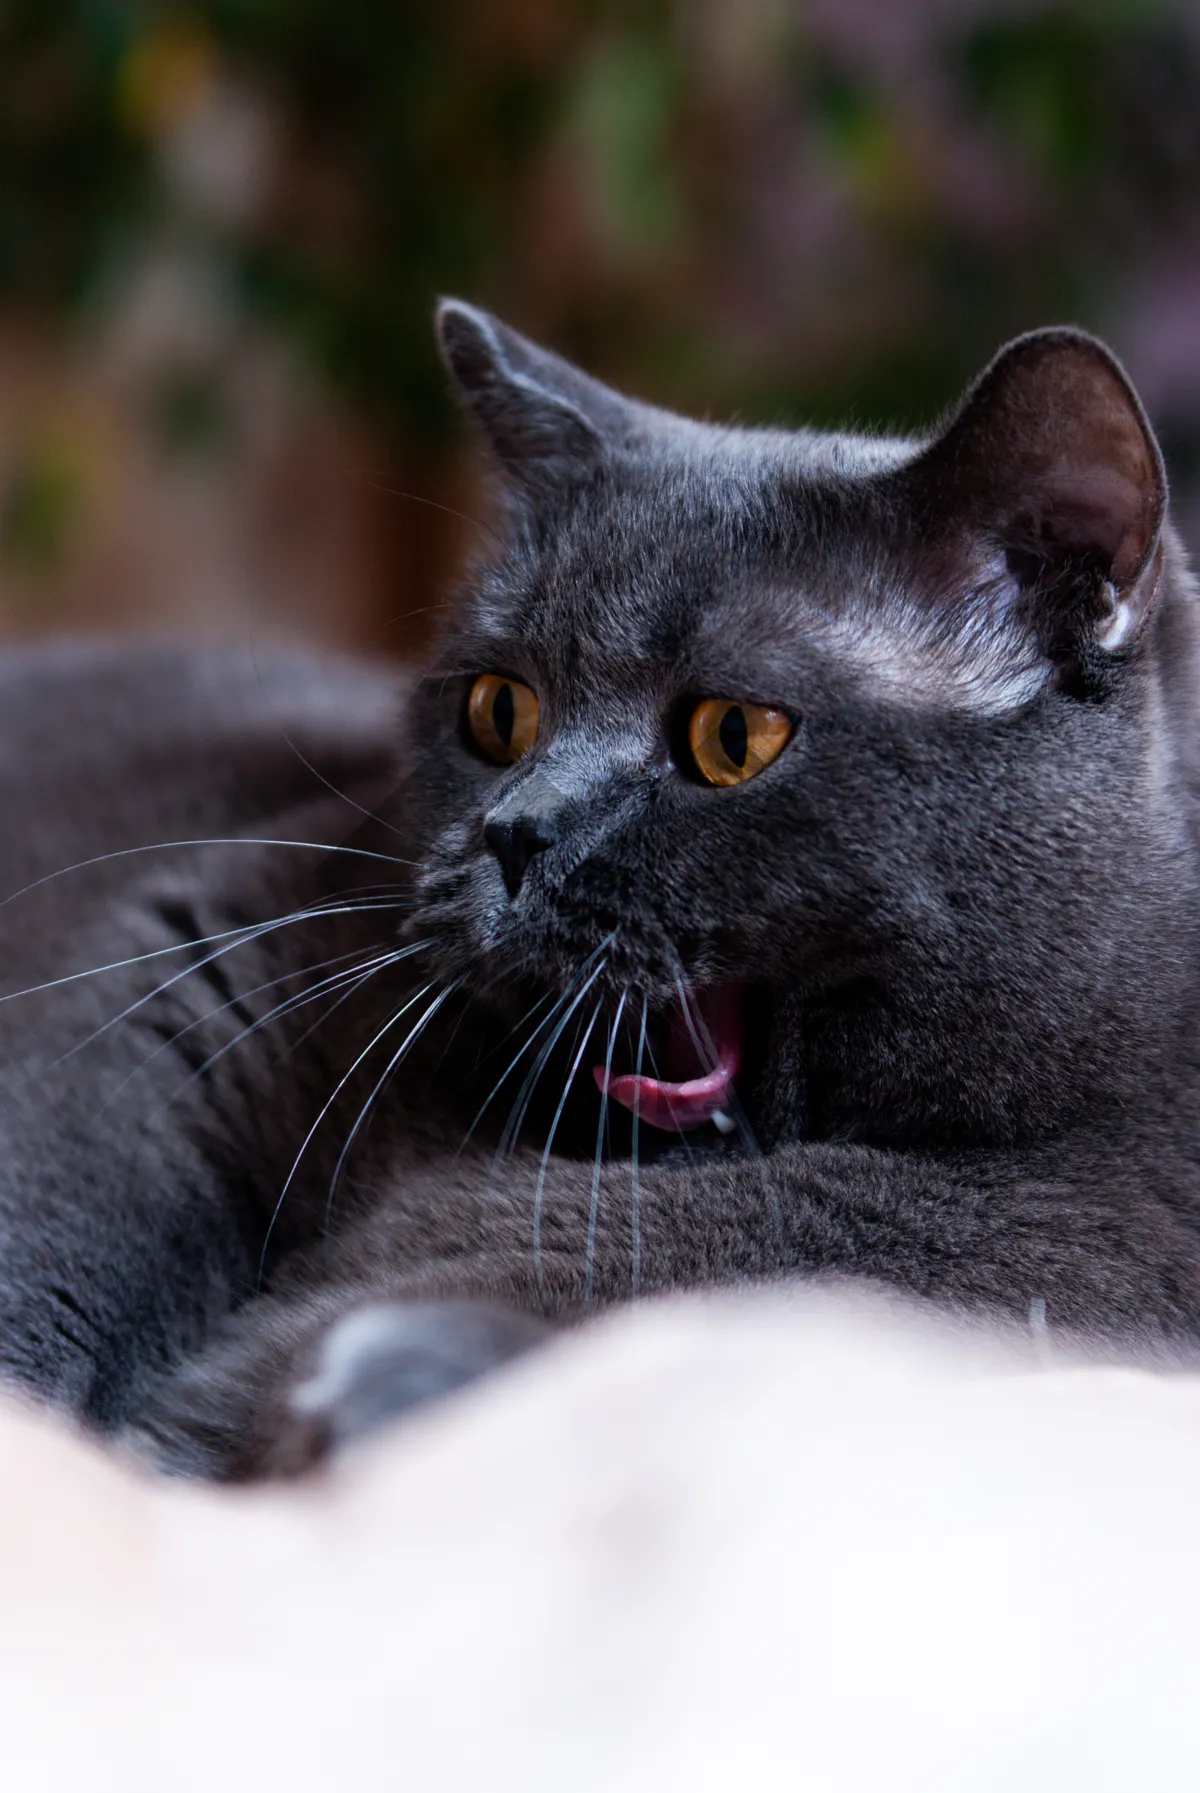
(734, 735)
(504, 714)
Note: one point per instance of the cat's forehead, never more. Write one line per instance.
(727, 532)
(754, 562)
(1022, 541)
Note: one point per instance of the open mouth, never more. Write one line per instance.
(701, 1057)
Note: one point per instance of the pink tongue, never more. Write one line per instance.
(676, 1107)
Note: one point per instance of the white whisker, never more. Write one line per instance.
(338, 1088)
(541, 1182)
(234, 1001)
(353, 978)
(594, 1208)
(234, 840)
(684, 1141)
(343, 796)
(247, 932)
(635, 1194)
(736, 1113)
(392, 1065)
(513, 1063)
(132, 1008)
(372, 970)
(516, 1120)
(734, 1105)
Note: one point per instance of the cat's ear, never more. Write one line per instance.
(549, 424)
(1050, 456)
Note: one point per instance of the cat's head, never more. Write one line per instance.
(844, 755)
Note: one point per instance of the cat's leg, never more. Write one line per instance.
(450, 1276)
(293, 1381)
(1070, 1228)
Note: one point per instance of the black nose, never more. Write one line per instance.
(515, 839)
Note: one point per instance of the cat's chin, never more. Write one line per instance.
(702, 1057)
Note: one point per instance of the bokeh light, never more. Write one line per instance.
(223, 227)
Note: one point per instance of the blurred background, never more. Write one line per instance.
(223, 226)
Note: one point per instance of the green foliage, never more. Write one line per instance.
(663, 201)
(41, 508)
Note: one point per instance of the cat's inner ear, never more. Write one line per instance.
(548, 423)
(1051, 458)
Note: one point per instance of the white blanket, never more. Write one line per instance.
(794, 1542)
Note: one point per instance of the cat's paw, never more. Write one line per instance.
(380, 1360)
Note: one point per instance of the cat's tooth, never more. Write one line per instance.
(722, 1122)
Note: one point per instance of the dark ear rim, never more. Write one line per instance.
(462, 330)
(523, 397)
(480, 352)
(1027, 350)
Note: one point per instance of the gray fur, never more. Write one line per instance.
(963, 904)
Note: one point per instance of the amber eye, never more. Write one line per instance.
(732, 742)
(503, 717)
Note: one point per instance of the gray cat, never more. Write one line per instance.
(789, 865)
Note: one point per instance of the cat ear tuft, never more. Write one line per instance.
(549, 424)
(1050, 455)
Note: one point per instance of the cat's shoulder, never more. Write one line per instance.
(162, 691)
(104, 745)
